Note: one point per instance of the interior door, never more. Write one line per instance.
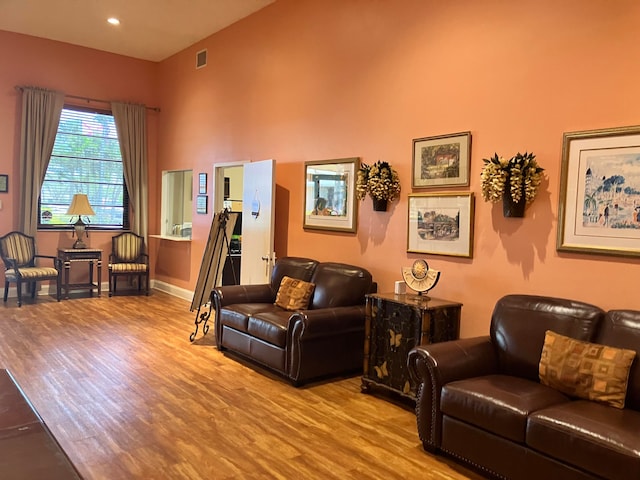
(258, 222)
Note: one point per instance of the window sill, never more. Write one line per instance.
(172, 238)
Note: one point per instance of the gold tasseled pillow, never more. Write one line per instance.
(294, 294)
(585, 370)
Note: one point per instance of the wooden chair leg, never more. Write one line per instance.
(6, 290)
(19, 288)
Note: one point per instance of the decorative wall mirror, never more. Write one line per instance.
(330, 202)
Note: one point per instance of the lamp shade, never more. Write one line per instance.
(80, 205)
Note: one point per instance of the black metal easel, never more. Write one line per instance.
(217, 248)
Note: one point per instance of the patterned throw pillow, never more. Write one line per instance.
(585, 370)
(294, 294)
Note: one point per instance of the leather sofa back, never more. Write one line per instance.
(519, 323)
(294, 267)
(339, 285)
(621, 329)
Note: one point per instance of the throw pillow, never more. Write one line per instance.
(585, 370)
(294, 294)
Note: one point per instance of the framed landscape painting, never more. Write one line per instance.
(441, 224)
(441, 161)
(599, 210)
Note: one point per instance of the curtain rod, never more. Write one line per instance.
(88, 99)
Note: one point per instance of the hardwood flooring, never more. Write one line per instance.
(129, 397)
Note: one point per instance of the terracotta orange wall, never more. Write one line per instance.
(76, 71)
(308, 80)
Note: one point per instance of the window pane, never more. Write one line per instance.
(86, 159)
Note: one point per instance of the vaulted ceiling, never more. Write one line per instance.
(149, 29)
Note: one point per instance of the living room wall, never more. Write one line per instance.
(76, 71)
(309, 80)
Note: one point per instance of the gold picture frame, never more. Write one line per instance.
(330, 195)
(441, 224)
(599, 205)
(441, 161)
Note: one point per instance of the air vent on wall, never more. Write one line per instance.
(201, 58)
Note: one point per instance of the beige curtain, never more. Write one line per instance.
(41, 111)
(131, 123)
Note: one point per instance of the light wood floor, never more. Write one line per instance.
(129, 397)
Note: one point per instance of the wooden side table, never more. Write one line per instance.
(92, 256)
(394, 324)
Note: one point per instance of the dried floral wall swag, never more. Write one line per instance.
(517, 177)
(379, 180)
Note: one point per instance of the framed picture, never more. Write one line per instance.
(202, 179)
(441, 161)
(4, 183)
(330, 195)
(599, 210)
(202, 201)
(441, 224)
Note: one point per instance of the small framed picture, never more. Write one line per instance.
(4, 183)
(202, 201)
(202, 178)
(441, 224)
(441, 161)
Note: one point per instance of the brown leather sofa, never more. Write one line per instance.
(327, 339)
(480, 399)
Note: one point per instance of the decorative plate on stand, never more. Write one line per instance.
(419, 277)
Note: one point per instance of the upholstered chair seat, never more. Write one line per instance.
(19, 255)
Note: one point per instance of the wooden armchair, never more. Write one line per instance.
(128, 259)
(18, 252)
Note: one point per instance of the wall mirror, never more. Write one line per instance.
(330, 202)
(177, 203)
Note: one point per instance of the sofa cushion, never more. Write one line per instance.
(270, 327)
(339, 285)
(621, 328)
(586, 370)
(497, 403)
(237, 315)
(589, 435)
(294, 294)
(294, 267)
(519, 323)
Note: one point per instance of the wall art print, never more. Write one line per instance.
(441, 224)
(599, 210)
(441, 161)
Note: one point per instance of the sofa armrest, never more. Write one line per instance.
(232, 294)
(433, 366)
(325, 322)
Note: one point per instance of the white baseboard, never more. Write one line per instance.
(179, 292)
(172, 290)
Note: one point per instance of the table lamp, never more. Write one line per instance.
(80, 206)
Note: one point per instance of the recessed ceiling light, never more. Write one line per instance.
(113, 21)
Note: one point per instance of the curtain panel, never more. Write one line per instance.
(131, 123)
(41, 111)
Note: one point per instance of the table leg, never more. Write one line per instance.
(99, 277)
(67, 267)
(91, 262)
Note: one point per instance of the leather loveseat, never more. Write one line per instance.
(482, 401)
(324, 339)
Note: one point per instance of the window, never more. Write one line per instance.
(86, 159)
